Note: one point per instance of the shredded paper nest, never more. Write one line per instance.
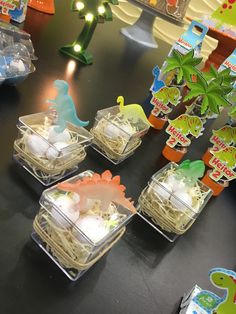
(115, 147)
(42, 167)
(70, 249)
(162, 212)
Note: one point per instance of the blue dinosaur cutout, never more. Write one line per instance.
(157, 84)
(65, 107)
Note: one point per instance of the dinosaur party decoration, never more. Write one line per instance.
(191, 171)
(103, 188)
(188, 125)
(227, 134)
(65, 107)
(227, 156)
(133, 112)
(210, 303)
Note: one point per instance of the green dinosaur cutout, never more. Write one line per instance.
(168, 95)
(227, 134)
(188, 124)
(133, 112)
(227, 156)
(191, 170)
(181, 127)
(226, 280)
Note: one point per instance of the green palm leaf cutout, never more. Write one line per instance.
(184, 65)
(212, 93)
(205, 105)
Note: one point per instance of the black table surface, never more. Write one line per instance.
(143, 273)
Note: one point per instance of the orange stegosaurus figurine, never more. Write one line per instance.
(99, 187)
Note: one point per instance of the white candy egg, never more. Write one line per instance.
(112, 131)
(18, 64)
(162, 190)
(93, 227)
(184, 197)
(54, 137)
(176, 184)
(53, 153)
(36, 145)
(68, 207)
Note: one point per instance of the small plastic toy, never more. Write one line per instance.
(65, 107)
(102, 187)
(81, 219)
(118, 130)
(93, 11)
(223, 163)
(174, 198)
(132, 112)
(45, 6)
(51, 144)
(200, 301)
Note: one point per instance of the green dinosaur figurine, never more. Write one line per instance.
(132, 112)
(191, 170)
(188, 125)
(226, 280)
(65, 107)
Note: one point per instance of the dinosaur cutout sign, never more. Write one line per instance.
(223, 163)
(65, 107)
(9, 5)
(206, 302)
(103, 188)
(223, 137)
(133, 112)
(183, 126)
(163, 96)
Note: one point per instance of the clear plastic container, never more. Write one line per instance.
(164, 205)
(11, 34)
(114, 137)
(47, 155)
(70, 246)
(16, 53)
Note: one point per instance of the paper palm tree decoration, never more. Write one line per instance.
(93, 12)
(212, 93)
(183, 65)
(227, 79)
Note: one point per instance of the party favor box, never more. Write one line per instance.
(15, 8)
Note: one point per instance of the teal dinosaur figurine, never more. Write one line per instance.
(191, 170)
(65, 107)
(226, 280)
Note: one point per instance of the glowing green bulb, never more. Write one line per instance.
(89, 17)
(79, 5)
(101, 9)
(77, 48)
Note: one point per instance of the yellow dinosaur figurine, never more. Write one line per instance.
(132, 112)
